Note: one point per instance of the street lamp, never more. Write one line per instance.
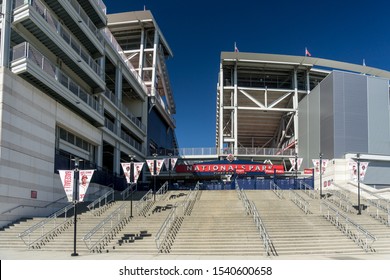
(358, 178)
(154, 175)
(296, 169)
(169, 169)
(320, 175)
(75, 200)
(131, 181)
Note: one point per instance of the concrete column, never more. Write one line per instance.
(295, 107)
(5, 33)
(220, 125)
(118, 83)
(154, 72)
(141, 54)
(235, 113)
(117, 158)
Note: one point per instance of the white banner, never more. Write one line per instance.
(316, 163)
(292, 161)
(173, 163)
(159, 163)
(353, 170)
(85, 177)
(137, 170)
(126, 170)
(67, 179)
(150, 163)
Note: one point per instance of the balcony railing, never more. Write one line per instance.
(66, 35)
(216, 152)
(110, 95)
(87, 20)
(115, 45)
(101, 5)
(26, 51)
(130, 140)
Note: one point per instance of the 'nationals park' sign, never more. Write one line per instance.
(230, 168)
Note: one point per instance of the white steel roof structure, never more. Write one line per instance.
(258, 96)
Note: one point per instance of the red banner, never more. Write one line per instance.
(230, 168)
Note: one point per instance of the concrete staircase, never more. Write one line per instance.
(218, 225)
(295, 233)
(138, 236)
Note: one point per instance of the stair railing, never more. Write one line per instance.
(308, 190)
(275, 188)
(126, 192)
(143, 202)
(356, 232)
(98, 237)
(102, 200)
(46, 227)
(162, 233)
(299, 201)
(163, 190)
(190, 198)
(268, 246)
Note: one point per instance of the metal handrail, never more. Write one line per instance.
(41, 225)
(251, 209)
(165, 227)
(104, 198)
(262, 230)
(343, 200)
(348, 226)
(163, 190)
(109, 224)
(144, 200)
(377, 203)
(275, 188)
(33, 206)
(299, 201)
(310, 191)
(125, 193)
(190, 197)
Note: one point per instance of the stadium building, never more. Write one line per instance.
(77, 83)
(272, 107)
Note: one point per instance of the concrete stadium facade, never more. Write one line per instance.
(70, 87)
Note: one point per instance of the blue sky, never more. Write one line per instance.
(198, 31)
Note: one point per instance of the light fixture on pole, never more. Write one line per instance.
(358, 179)
(296, 170)
(169, 169)
(131, 183)
(154, 175)
(75, 201)
(320, 175)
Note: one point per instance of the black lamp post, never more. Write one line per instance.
(131, 181)
(75, 200)
(320, 175)
(169, 169)
(154, 175)
(358, 178)
(296, 170)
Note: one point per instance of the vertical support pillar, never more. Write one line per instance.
(295, 107)
(5, 33)
(235, 114)
(308, 81)
(141, 54)
(154, 71)
(118, 83)
(221, 108)
(117, 158)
